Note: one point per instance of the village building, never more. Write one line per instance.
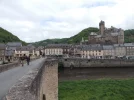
(61, 50)
(129, 49)
(108, 52)
(120, 50)
(2, 52)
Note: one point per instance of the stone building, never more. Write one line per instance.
(77, 51)
(57, 50)
(92, 51)
(11, 50)
(120, 50)
(27, 50)
(129, 49)
(106, 35)
(108, 52)
(2, 51)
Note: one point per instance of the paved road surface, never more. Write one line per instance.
(10, 77)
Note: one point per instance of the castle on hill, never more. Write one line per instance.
(106, 35)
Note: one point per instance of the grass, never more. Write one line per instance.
(105, 89)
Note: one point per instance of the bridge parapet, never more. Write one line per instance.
(78, 62)
(8, 66)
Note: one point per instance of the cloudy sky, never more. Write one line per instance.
(35, 20)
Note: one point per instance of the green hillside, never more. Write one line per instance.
(50, 41)
(6, 36)
(129, 37)
(84, 33)
(74, 39)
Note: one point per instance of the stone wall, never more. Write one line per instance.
(50, 81)
(79, 69)
(8, 66)
(39, 84)
(78, 62)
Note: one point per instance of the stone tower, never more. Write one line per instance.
(102, 27)
(121, 37)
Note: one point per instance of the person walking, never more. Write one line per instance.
(28, 60)
(22, 59)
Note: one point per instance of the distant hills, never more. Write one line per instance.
(6, 36)
(129, 37)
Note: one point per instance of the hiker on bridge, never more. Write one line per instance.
(28, 59)
(22, 59)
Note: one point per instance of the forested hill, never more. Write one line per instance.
(6, 36)
(74, 39)
(129, 37)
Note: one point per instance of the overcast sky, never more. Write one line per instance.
(35, 20)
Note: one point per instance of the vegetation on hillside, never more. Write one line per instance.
(6, 36)
(97, 90)
(129, 37)
(51, 41)
(84, 33)
(74, 39)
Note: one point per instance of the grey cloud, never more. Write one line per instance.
(35, 20)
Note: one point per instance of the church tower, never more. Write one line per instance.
(102, 27)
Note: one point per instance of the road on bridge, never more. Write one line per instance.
(10, 77)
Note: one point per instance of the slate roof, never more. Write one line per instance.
(2, 46)
(11, 48)
(14, 44)
(57, 45)
(129, 44)
(88, 47)
(9, 53)
(108, 47)
(25, 48)
(118, 45)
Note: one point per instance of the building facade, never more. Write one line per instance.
(120, 50)
(129, 49)
(2, 52)
(92, 52)
(108, 52)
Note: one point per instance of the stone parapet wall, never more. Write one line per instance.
(77, 62)
(8, 66)
(50, 80)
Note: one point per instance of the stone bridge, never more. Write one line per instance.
(39, 81)
(40, 78)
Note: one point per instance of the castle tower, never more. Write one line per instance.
(121, 37)
(102, 27)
